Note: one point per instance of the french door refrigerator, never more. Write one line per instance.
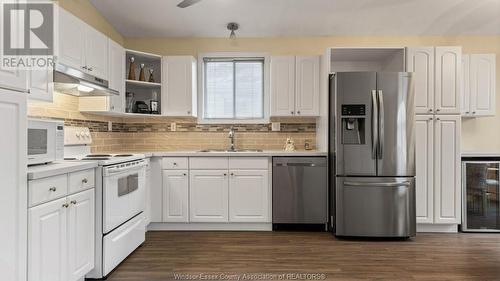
(374, 143)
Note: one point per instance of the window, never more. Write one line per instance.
(233, 88)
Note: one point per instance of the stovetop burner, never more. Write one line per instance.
(123, 155)
(96, 158)
(98, 155)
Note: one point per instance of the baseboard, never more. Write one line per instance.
(439, 228)
(200, 226)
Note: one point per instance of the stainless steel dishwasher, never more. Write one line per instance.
(300, 190)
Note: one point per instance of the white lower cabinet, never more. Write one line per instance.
(249, 196)
(208, 196)
(80, 234)
(438, 187)
(61, 238)
(175, 196)
(47, 241)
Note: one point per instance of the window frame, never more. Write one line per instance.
(201, 88)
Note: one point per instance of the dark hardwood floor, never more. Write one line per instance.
(427, 257)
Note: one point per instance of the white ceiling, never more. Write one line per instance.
(270, 18)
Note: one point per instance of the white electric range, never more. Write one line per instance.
(120, 200)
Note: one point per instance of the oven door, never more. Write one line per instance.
(123, 194)
(41, 142)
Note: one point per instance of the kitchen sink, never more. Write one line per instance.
(225, 150)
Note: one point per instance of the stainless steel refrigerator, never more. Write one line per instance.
(373, 117)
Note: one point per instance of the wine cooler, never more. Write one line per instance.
(481, 204)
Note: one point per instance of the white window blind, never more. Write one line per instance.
(234, 88)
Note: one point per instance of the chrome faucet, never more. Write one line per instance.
(231, 136)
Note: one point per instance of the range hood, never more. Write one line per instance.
(68, 80)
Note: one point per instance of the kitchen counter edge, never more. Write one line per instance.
(233, 154)
(58, 168)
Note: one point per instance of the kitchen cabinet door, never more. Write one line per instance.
(282, 86)
(208, 195)
(116, 71)
(307, 85)
(482, 84)
(71, 41)
(14, 199)
(96, 53)
(447, 187)
(81, 234)
(175, 196)
(465, 105)
(420, 61)
(179, 86)
(424, 161)
(249, 196)
(47, 242)
(448, 83)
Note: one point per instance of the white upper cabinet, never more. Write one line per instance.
(249, 195)
(447, 187)
(448, 80)
(41, 84)
(424, 166)
(307, 85)
(179, 86)
(479, 85)
(81, 46)
(437, 78)
(71, 41)
(208, 195)
(282, 86)
(80, 234)
(175, 196)
(420, 60)
(295, 85)
(116, 71)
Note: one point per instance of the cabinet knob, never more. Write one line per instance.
(175, 164)
(430, 119)
(184, 174)
(112, 107)
(430, 109)
(85, 180)
(438, 119)
(467, 112)
(73, 202)
(473, 112)
(291, 112)
(298, 112)
(53, 189)
(225, 174)
(189, 112)
(65, 205)
(438, 109)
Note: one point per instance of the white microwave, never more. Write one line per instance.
(45, 141)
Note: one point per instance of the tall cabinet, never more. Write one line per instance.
(438, 123)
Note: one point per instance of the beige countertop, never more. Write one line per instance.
(267, 153)
(58, 168)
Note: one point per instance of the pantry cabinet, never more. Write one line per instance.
(295, 85)
(175, 196)
(437, 78)
(208, 195)
(479, 85)
(438, 186)
(81, 46)
(179, 86)
(249, 196)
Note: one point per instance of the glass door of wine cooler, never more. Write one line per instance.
(481, 204)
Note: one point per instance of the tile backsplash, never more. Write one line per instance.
(154, 133)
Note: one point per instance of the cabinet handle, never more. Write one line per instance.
(53, 189)
(175, 164)
(225, 174)
(298, 112)
(430, 119)
(73, 202)
(65, 205)
(189, 112)
(438, 109)
(430, 109)
(85, 180)
(112, 107)
(232, 174)
(473, 112)
(291, 112)
(438, 119)
(184, 174)
(467, 112)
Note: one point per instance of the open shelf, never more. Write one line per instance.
(143, 83)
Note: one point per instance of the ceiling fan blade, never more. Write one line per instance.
(187, 3)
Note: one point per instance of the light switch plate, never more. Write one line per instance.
(173, 127)
(275, 126)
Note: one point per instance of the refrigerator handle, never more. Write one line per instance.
(374, 124)
(380, 98)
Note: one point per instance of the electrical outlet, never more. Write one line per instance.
(173, 127)
(275, 126)
(110, 126)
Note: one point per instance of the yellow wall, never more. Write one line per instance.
(84, 10)
(480, 134)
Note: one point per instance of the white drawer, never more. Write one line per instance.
(81, 180)
(122, 241)
(208, 163)
(46, 189)
(261, 163)
(175, 163)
